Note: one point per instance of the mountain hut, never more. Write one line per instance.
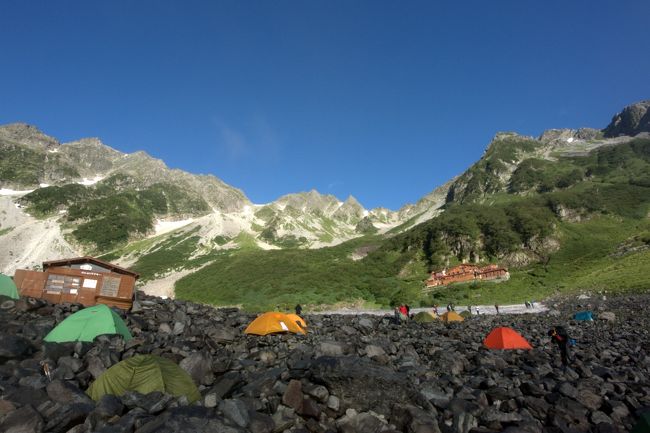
(85, 280)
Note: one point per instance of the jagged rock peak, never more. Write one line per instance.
(27, 135)
(503, 136)
(89, 141)
(309, 200)
(633, 120)
(351, 201)
(569, 135)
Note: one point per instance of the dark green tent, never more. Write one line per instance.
(425, 317)
(144, 374)
(643, 424)
(86, 324)
(8, 287)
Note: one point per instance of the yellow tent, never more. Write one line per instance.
(272, 322)
(451, 316)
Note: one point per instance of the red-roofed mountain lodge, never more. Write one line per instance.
(466, 272)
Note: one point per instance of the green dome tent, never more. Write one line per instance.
(8, 287)
(86, 324)
(425, 317)
(144, 374)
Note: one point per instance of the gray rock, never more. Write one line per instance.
(492, 414)
(23, 420)
(607, 316)
(333, 403)
(411, 418)
(319, 392)
(260, 423)
(373, 351)
(361, 383)
(67, 416)
(599, 417)
(65, 392)
(109, 406)
(199, 366)
(226, 383)
(331, 348)
(13, 346)
(236, 411)
(360, 423)
(221, 334)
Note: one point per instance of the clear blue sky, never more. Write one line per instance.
(382, 100)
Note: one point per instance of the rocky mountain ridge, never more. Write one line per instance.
(493, 173)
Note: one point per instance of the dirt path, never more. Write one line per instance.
(483, 309)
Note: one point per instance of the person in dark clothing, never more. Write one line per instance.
(398, 316)
(298, 309)
(496, 307)
(408, 310)
(560, 337)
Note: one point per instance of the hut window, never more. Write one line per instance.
(54, 284)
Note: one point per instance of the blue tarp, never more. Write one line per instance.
(583, 315)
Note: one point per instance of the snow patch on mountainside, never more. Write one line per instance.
(168, 226)
(88, 182)
(11, 192)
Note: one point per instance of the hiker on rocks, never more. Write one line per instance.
(527, 304)
(477, 311)
(298, 310)
(403, 312)
(408, 310)
(398, 314)
(448, 307)
(496, 307)
(453, 307)
(435, 309)
(469, 309)
(560, 337)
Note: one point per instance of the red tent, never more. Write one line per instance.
(505, 338)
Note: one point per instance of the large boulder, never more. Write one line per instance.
(360, 383)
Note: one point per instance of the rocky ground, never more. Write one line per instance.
(349, 374)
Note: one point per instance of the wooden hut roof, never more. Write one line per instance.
(85, 259)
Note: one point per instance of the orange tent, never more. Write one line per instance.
(297, 319)
(505, 338)
(451, 316)
(272, 322)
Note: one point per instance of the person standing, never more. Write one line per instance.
(496, 307)
(560, 337)
(477, 311)
(298, 310)
(398, 314)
